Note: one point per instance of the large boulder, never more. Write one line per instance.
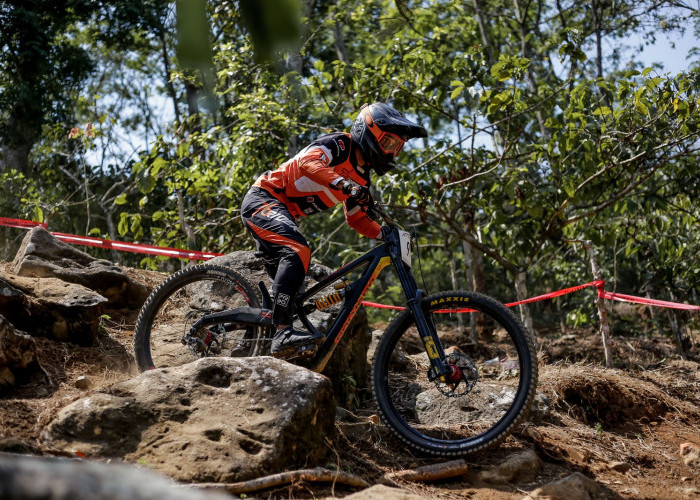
(42, 255)
(17, 354)
(33, 478)
(52, 308)
(217, 419)
(348, 369)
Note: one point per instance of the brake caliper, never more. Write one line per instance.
(462, 377)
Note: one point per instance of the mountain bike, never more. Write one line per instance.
(439, 393)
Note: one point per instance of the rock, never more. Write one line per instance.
(619, 466)
(43, 256)
(381, 492)
(11, 298)
(348, 368)
(55, 309)
(373, 344)
(573, 487)
(214, 420)
(82, 382)
(16, 445)
(33, 478)
(399, 360)
(521, 467)
(246, 263)
(690, 453)
(17, 353)
(540, 408)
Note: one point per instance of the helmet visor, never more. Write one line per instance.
(390, 143)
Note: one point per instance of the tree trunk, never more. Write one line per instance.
(184, 225)
(469, 271)
(521, 294)
(524, 31)
(598, 39)
(168, 75)
(455, 286)
(340, 50)
(482, 30)
(16, 148)
(112, 231)
(484, 324)
(678, 328)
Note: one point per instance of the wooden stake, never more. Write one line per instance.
(600, 302)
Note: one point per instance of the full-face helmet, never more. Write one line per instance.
(381, 132)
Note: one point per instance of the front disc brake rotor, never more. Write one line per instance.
(466, 375)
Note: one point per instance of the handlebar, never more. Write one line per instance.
(376, 211)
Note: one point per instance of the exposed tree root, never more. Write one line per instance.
(310, 475)
(433, 472)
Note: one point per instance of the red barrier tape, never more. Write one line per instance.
(598, 284)
(197, 255)
(551, 295)
(641, 300)
(23, 224)
(135, 247)
(114, 245)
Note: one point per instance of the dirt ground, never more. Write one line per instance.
(622, 427)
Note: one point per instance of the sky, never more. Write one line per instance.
(671, 51)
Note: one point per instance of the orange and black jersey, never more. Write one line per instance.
(305, 183)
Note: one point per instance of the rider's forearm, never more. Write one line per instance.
(360, 222)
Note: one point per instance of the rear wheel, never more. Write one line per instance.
(492, 386)
(170, 311)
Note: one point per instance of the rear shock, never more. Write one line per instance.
(325, 302)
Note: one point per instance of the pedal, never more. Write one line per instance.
(307, 351)
(297, 353)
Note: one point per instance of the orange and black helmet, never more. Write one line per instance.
(381, 132)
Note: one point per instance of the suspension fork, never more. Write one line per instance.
(426, 328)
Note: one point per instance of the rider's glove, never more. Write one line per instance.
(351, 188)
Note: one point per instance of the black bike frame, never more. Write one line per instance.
(375, 261)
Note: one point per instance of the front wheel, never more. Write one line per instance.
(163, 335)
(492, 384)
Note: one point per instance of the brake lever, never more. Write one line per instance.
(376, 211)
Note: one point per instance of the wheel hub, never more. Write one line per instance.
(462, 377)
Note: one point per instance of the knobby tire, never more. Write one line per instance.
(503, 372)
(178, 302)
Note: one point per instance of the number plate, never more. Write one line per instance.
(406, 249)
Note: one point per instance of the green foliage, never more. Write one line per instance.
(533, 140)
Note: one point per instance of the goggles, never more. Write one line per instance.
(390, 143)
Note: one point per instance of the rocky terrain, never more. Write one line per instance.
(86, 424)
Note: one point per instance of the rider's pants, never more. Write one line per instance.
(286, 251)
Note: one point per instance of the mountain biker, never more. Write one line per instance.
(334, 168)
